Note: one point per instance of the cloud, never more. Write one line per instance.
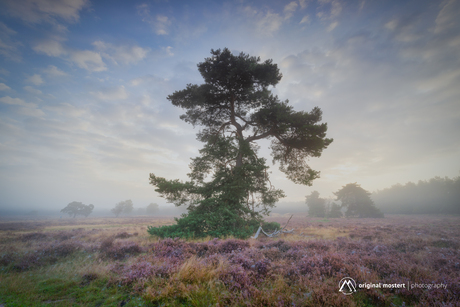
(86, 59)
(4, 87)
(4, 72)
(89, 60)
(36, 11)
(54, 71)
(17, 102)
(50, 48)
(32, 90)
(110, 94)
(269, 23)
(31, 112)
(159, 23)
(329, 9)
(332, 26)
(305, 19)
(303, 4)
(289, 9)
(124, 54)
(168, 50)
(149, 79)
(9, 47)
(35, 79)
(448, 17)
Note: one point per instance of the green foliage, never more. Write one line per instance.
(74, 208)
(357, 201)
(334, 211)
(316, 205)
(125, 207)
(229, 189)
(34, 289)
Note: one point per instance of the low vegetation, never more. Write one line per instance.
(115, 262)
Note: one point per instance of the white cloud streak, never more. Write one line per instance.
(36, 11)
(4, 87)
(54, 71)
(35, 79)
(159, 23)
(122, 53)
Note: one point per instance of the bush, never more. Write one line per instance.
(119, 250)
(195, 226)
(33, 236)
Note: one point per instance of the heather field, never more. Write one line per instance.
(115, 262)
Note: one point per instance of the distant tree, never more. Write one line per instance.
(87, 210)
(357, 201)
(140, 211)
(316, 205)
(334, 211)
(125, 207)
(152, 209)
(75, 208)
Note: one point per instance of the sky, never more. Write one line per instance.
(83, 86)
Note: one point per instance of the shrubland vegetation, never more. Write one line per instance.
(435, 196)
(114, 262)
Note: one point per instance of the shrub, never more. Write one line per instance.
(120, 250)
(122, 235)
(231, 245)
(33, 236)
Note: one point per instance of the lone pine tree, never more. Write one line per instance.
(229, 189)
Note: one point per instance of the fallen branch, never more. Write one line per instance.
(275, 233)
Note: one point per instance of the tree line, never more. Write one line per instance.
(124, 207)
(435, 196)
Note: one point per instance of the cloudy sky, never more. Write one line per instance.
(83, 87)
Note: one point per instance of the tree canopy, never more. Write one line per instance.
(357, 201)
(74, 208)
(125, 207)
(152, 208)
(316, 205)
(229, 188)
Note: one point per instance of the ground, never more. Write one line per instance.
(115, 262)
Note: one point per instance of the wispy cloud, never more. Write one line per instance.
(289, 9)
(9, 48)
(159, 23)
(122, 53)
(4, 87)
(32, 90)
(89, 60)
(110, 94)
(36, 11)
(54, 71)
(35, 79)
(51, 48)
(23, 108)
